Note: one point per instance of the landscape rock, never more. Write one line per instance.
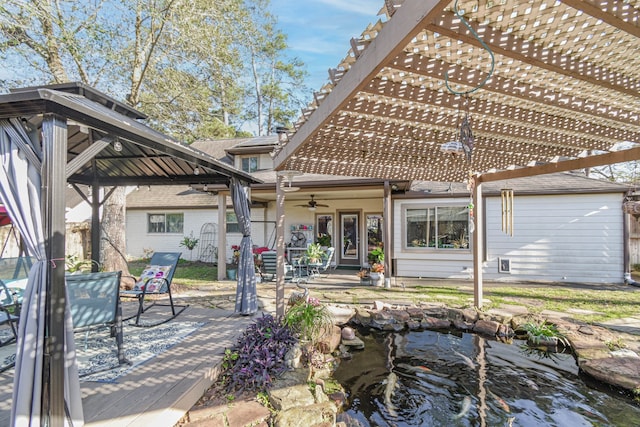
(283, 398)
(307, 416)
(354, 344)
(330, 340)
(486, 327)
(622, 371)
(348, 333)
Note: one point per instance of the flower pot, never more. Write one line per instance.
(232, 274)
(365, 281)
(377, 279)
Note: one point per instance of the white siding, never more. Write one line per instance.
(139, 240)
(566, 238)
(577, 238)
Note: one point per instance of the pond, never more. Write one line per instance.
(431, 378)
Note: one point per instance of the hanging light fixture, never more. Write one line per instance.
(196, 171)
(289, 174)
(117, 145)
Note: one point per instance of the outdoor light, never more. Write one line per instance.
(196, 171)
(289, 174)
(205, 187)
(117, 145)
(452, 147)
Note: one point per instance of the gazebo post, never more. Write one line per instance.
(54, 148)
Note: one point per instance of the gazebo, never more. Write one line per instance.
(56, 135)
(469, 91)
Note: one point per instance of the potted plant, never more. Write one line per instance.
(377, 274)
(314, 253)
(376, 256)
(190, 243)
(363, 274)
(324, 240)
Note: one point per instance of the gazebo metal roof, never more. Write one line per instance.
(109, 146)
(565, 88)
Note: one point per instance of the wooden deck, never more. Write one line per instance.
(160, 391)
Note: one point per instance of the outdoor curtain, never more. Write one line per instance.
(246, 296)
(20, 191)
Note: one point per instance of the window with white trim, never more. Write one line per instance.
(249, 164)
(232, 223)
(165, 222)
(436, 227)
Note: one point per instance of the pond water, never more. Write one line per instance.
(431, 378)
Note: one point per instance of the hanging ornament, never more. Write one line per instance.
(471, 184)
(466, 137)
(506, 195)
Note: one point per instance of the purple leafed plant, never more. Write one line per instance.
(258, 356)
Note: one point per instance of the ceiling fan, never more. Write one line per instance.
(312, 205)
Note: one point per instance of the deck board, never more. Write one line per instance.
(160, 391)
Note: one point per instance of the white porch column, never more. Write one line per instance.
(222, 236)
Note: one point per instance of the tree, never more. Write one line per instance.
(181, 62)
(275, 86)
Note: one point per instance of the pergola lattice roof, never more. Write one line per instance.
(565, 86)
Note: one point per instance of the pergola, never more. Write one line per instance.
(547, 85)
(56, 135)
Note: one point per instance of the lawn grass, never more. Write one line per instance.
(188, 273)
(605, 304)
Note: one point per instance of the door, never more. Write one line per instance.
(350, 237)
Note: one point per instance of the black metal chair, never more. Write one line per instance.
(155, 281)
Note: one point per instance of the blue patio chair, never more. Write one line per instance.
(269, 266)
(155, 281)
(9, 313)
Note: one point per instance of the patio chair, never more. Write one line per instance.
(326, 263)
(9, 313)
(270, 264)
(155, 281)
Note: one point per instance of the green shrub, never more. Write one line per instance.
(309, 319)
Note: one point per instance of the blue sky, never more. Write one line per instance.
(319, 31)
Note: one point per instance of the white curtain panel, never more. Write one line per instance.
(20, 192)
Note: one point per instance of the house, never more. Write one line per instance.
(559, 227)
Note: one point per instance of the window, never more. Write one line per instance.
(165, 223)
(374, 231)
(232, 223)
(439, 227)
(249, 164)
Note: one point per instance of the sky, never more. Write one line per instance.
(319, 31)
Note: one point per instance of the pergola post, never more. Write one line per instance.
(280, 199)
(478, 243)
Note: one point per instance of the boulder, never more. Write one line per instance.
(623, 372)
